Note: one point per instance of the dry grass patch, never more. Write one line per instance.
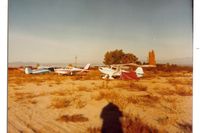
(149, 75)
(133, 100)
(112, 96)
(20, 78)
(167, 74)
(170, 99)
(73, 118)
(147, 100)
(60, 102)
(106, 94)
(122, 84)
(83, 88)
(76, 77)
(93, 83)
(137, 87)
(122, 101)
(58, 82)
(79, 103)
(94, 130)
(169, 108)
(17, 82)
(33, 101)
(165, 91)
(23, 95)
(12, 85)
(58, 93)
(16, 88)
(175, 81)
(27, 95)
(131, 86)
(163, 120)
(103, 85)
(50, 85)
(92, 75)
(183, 91)
(136, 125)
(185, 127)
(38, 84)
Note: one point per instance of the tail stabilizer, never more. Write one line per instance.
(28, 70)
(139, 72)
(86, 67)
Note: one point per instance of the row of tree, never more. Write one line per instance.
(119, 57)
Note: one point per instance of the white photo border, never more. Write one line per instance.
(4, 65)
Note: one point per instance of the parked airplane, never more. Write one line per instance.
(110, 72)
(117, 70)
(71, 71)
(50, 68)
(28, 70)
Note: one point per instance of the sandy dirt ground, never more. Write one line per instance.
(51, 103)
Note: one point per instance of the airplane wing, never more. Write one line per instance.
(62, 71)
(132, 64)
(148, 66)
(76, 70)
(40, 71)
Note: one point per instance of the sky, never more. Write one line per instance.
(58, 30)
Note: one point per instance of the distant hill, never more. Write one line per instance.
(17, 64)
(187, 61)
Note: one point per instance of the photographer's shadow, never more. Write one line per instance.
(111, 119)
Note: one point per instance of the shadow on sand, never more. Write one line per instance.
(111, 119)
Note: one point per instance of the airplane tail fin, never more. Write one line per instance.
(139, 72)
(86, 67)
(28, 70)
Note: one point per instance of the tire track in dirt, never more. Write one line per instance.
(40, 124)
(12, 128)
(18, 125)
(37, 125)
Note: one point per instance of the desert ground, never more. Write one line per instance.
(161, 101)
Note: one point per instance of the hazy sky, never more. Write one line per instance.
(59, 30)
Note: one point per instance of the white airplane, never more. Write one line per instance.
(110, 72)
(71, 71)
(28, 70)
(117, 69)
(50, 68)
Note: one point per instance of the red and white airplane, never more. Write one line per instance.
(71, 71)
(116, 70)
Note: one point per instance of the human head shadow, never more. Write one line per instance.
(111, 119)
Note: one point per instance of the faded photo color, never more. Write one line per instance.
(100, 66)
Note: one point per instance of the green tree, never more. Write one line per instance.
(113, 57)
(129, 58)
(119, 57)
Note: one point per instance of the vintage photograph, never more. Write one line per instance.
(100, 66)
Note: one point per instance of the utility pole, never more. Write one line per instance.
(75, 61)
